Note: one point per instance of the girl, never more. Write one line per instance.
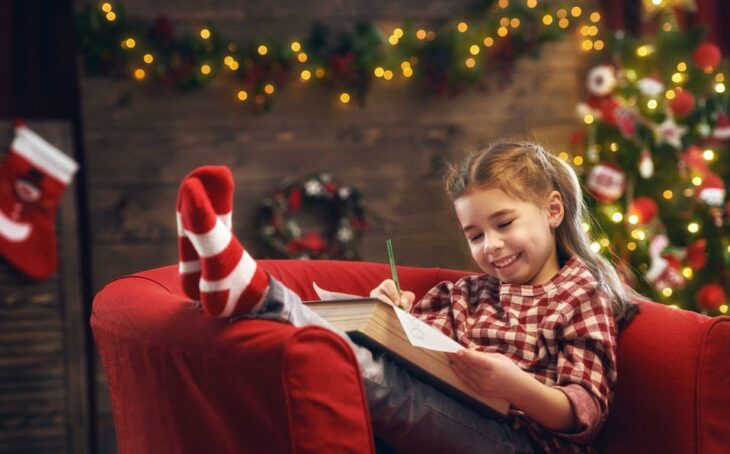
(539, 326)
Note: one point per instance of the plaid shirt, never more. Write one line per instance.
(561, 332)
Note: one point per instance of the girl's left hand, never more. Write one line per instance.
(490, 374)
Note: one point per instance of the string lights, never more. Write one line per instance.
(443, 60)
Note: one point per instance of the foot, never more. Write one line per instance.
(218, 184)
(231, 283)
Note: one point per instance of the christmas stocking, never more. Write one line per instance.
(33, 176)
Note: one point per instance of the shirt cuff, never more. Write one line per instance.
(587, 413)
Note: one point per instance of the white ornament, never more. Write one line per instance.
(648, 86)
(601, 80)
(313, 187)
(646, 165)
(670, 132)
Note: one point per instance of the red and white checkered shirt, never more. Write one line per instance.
(561, 332)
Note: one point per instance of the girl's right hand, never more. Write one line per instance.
(387, 292)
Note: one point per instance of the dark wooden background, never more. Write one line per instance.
(138, 141)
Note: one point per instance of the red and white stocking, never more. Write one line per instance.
(33, 176)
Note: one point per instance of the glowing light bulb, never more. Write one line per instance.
(693, 227)
(262, 50)
(462, 27)
(148, 58)
(344, 98)
(205, 69)
(242, 95)
(269, 89)
(139, 74)
(295, 46)
(205, 33)
(305, 75)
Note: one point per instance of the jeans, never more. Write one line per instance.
(406, 413)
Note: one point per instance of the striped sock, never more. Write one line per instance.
(218, 184)
(231, 282)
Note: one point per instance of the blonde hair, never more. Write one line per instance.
(526, 171)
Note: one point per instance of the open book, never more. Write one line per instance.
(419, 347)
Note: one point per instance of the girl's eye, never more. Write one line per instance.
(505, 224)
(475, 238)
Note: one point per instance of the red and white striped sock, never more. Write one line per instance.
(218, 184)
(231, 282)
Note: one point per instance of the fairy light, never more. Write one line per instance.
(631, 246)
(502, 31)
(617, 217)
(719, 77)
(564, 23)
(668, 194)
(148, 58)
(106, 7)
(667, 292)
(488, 41)
(408, 72)
(588, 119)
(578, 160)
(643, 51)
(305, 75)
(302, 57)
(344, 97)
(587, 45)
(667, 27)
(693, 227)
(633, 219)
(613, 147)
(697, 181)
(576, 11)
(515, 22)
(129, 43)
(379, 71)
(388, 74)
(562, 13)
(564, 156)
(598, 44)
(586, 226)
(720, 87)
(228, 60)
(205, 33)
(242, 95)
(531, 3)
(670, 94)
(319, 73)
(470, 63)
(638, 234)
(595, 17)
(708, 155)
(682, 66)
(630, 74)
(723, 308)
(687, 272)
(474, 49)
(677, 78)
(393, 40)
(205, 69)
(233, 66)
(421, 34)
(604, 242)
(547, 19)
(111, 16)
(398, 33)
(651, 104)
(462, 27)
(262, 50)
(595, 247)
(139, 74)
(269, 89)
(503, 4)
(295, 46)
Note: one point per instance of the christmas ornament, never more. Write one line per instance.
(670, 133)
(696, 257)
(650, 87)
(32, 178)
(646, 164)
(644, 208)
(707, 56)
(663, 272)
(606, 182)
(601, 80)
(710, 297)
(722, 127)
(712, 190)
(692, 159)
(604, 108)
(336, 210)
(683, 103)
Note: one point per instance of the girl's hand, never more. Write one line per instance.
(490, 374)
(388, 293)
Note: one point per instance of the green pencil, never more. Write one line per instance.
(393, 272)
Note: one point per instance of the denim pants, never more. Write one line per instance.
(406, 413)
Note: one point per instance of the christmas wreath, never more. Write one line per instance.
(314, 217)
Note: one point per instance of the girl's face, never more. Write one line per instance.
(509, 238)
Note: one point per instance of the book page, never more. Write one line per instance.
(327, 295)
(423, 335)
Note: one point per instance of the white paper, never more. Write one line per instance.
(423, 335)
(326, 295)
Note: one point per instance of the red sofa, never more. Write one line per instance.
(184, 382)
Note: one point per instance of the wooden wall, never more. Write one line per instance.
(140, 141)
(43, 381)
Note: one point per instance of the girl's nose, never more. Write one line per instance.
(492, 244)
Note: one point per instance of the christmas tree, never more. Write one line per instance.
(654, 156)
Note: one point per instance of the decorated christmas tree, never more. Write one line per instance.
(654, 156)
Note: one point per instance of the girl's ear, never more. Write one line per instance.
(555, 209)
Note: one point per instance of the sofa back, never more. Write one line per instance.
(180, 378)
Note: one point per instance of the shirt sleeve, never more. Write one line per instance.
(586, 363)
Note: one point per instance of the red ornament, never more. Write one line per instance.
(692, 159)
(707, 55)
(722, 127)
(712, 190)
(607, 105)
(606, 182)
(711, 297)
(295, 200)
(696, 257)
(683, 103)
(644, 208)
